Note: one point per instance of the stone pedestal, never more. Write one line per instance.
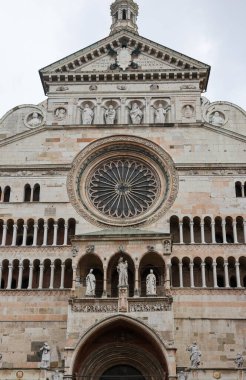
(123, 299)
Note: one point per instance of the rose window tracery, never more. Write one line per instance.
(123, 188)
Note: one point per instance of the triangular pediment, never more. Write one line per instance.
(144, 56)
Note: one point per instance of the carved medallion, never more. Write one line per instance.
(124, 58)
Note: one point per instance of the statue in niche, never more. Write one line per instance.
(122, 271)
(35, 120)
(160, 114)
(136, 114)
(239, 361)
(87, 115)
(188, 111)
(151, 284)
(110, 115)
(217, 119)
(195, 355)
(45, 349)
(90, 284)
(57, 375)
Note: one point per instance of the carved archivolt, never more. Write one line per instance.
(122, 180)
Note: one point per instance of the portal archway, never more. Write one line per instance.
(120, 372)
(116, 344)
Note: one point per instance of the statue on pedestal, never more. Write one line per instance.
(87, 115)
(151, 284)
(160, 114)
(239, 361)
(136, 114)
(195, 355)
(90, 284)
(123, 274)
(45, 349)
(110, 115)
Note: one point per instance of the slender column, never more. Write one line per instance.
(237, 265)
(55, 234)
(215, 274)
(192, 232)
(45, 234)
(244, 230)
(203, 265)
(242, 190)
(10, 276)
(41, 275)
(226, 274)
(181, 283)
(62, 276)
(35, 234)
(31, 197)
(1, 197)
(181, 235)
(52, 272)
(65, 233)
(30, 276)
(192, 275)
(213, 232)
(136, 290)
(74, 276)
(202, 233)
(14, 235)
(24, 235)
(1, 275)
(223, 223)
(234, 224)
(168, 271)
(104, 282)
(20, 275)
(4, 234)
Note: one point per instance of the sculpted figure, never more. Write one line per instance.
(182, 376)
(110, 115)
(151, 284)
(195, 355)
(217, 119)
(136, 114)
(87, 115)
(45, 363)
(122, 270)
(57, 375)
(160, 114)
(188, 111)
(90, 284)
(60, 113)
(35, 120)
(239, 361)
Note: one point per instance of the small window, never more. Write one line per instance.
(238, 189)
(7, 191)
(36, 193)
(124, 14)
(27, 193)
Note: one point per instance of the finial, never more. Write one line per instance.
(124, 16)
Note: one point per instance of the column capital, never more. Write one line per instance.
(203, 264)
(225, 263)
(191, 223)
(191, 264)
(214, 264)
(223, 222)
(237, 264)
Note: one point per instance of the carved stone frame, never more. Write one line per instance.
(131, 146)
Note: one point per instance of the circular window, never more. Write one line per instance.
(122, 181)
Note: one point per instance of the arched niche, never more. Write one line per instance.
(155, 262)
(87, 262)
(113, 277)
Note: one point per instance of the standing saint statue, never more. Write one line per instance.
(122, 270)
(45, 349)
(160, 114)
(151, 284)
(136, 114)
(87, 115)
(195, 355)
(110, 115)
(90, 284)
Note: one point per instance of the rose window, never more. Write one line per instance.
(123, 188)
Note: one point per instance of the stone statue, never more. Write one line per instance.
(151, 284)
(182, 375)
(110, 115)
(239, 361)
(35, 120)
(87, 115)
(123, 274)
(136, 114)
(195, 355)
(188, 111)
(57, 375)
(160, 114)
(90, 284)
(45, 349)
(217, 119)
(60, 113)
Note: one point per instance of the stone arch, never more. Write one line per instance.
(137, 345)
(87, 262)
(175, 278)
(238, 189)
(209, 272)
(112, 275)
(186, 272)
(197, 229)
(152, 260)
(36, 193)
(186, 229)
(27, 193)
(208, 229)
(220, 272)
(174, 228)
(229, 229)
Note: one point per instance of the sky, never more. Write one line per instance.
(36, 33)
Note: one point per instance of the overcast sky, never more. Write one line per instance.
(36, 33)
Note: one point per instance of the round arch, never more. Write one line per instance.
(121, 340)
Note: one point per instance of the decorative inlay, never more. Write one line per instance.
(123, 188)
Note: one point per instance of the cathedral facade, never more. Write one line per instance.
(123, 219)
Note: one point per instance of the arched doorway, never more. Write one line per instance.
(120, 372)
(123, 348)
